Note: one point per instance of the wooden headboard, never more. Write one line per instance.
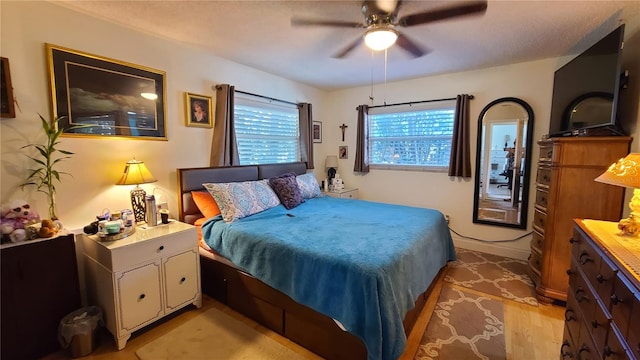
(191, 179)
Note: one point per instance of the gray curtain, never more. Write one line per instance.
(305, 117)
(224, 148)
(361, 165)
(460, 162)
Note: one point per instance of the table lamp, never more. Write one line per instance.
(136, 173)
(626, 173)
(331, 163)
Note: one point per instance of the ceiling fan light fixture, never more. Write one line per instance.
(380, 38)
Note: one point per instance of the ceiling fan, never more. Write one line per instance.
(381, 20)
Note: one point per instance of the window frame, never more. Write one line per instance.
(257, 101)
(449, 105)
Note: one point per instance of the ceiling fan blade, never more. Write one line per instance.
(347, 49)
(410, 46)
(471, 8)
(335, 23)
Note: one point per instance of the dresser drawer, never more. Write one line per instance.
(588, 260)
(542, 198)
(540, 220)
(584, 296)
(572, 317)
(535, 261)
(615, 349)
(568, 348)
(537, 241)
(605, 277)
(586, 349)
(622, 302)
(633, 334)
(543, 177)
(546, 152)
(599, 323)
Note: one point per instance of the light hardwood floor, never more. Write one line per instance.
(530, 332)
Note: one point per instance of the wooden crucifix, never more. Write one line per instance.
(343, 127)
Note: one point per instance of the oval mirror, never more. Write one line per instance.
(503, 163)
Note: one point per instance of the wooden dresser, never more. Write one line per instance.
(602, 319)
(565, 189)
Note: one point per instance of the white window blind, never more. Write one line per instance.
(416, 136)
(266, 132)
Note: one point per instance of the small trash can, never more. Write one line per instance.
(78, 330)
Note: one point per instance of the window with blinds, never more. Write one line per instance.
(416, 136)
(266, 132)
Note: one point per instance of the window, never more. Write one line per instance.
(266, 132)
(416, 136)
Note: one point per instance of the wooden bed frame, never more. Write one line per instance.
(251, 297)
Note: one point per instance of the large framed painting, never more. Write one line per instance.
(102, 97)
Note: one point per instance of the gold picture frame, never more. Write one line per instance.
(198, 110)
(97, 96)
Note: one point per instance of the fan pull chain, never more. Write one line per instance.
(372, 63)
(385, 77)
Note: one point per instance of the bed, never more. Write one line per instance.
(333, 275)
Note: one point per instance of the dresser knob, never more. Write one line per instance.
(568, 315)
(570, 272)
(615, 299)
(595, 324)
(607, 351)
(161, 247)
(584, 258)
(565, 353)
(584, 348)
(142, 296)
(572, 241)
(600, 278)
(580, 296)
(183, 280)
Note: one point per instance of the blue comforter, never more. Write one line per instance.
(361, 263)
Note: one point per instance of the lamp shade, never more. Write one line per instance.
(135, 173)
(625, 172)
(380, 38)
(331, 161)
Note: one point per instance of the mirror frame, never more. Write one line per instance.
(524, 204)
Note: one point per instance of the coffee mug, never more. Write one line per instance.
(164, 216)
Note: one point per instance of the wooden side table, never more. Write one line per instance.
(141, 278)
(38, 287)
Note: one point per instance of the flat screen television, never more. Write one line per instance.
(585, 90)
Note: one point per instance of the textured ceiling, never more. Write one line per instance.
(259, 34)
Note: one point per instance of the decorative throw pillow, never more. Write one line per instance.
(206, 203)
(308, 185)
(240, 199)
(286, 187)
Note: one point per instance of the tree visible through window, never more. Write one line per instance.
(266, 133)
(416, 136)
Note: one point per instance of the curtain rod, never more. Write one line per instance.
(415, 102)
(266, 97)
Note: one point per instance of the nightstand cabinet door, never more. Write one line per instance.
(181, 280)
(140, 295)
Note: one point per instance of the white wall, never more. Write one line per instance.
(26, 26)
(98, 163)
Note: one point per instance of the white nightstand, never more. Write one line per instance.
(344, 193)
(139, 279)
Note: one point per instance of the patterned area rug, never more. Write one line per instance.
(464, 326)
(492, 274)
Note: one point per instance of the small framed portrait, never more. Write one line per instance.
(316, 132)
(7, 109)
(343, 152)
(198, 110)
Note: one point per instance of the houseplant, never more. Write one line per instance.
(44, 174)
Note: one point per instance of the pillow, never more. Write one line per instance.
(205, 203)
(286, 187)
(308, 185)
(240, 199)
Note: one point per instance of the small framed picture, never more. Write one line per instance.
(343, 152)
(317, 132)
(7, 110)
(198, 110)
